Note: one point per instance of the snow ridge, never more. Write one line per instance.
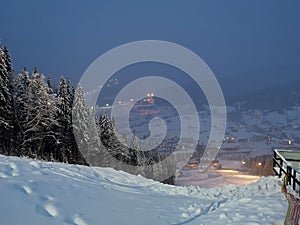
(55, 193)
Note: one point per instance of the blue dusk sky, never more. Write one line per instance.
(242, 41)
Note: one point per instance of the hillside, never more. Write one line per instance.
(35, 192)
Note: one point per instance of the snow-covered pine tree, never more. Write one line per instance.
(5, 103)
(165, 168)
(95, 155)
(80, 122)
(7, 59)
(106, 130)
(124, 152)
(51, 141)
(40, 125)
(20, 99)
(115, 153)
(10, 115)
(106, 133)
(140, 157)
(49, 83)
(72, 92)
(71, 141)
(64, 120)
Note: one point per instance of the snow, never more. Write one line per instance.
(251, 124)
(212, 178)
(35, 192)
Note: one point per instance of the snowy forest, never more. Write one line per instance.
(36, 122)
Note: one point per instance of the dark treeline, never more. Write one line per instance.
(50, 123)
(35, 118)
(261, 165)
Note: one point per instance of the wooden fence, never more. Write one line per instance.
(288, 162)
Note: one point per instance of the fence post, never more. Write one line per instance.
(280, 168)
(294, 179)
(274, 163)
(289, 172)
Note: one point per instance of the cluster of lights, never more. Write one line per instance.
(230, 138)
(94, 90)
(131, 100)
(259, 164)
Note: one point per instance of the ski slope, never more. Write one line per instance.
(40, 193)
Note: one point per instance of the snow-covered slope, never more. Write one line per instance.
(34, 192)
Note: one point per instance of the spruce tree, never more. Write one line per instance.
(5, 103)
(64, 121)
(39, 134)
(49, 83)
(7, 60)
(94, 155)
(20, 99)
(80, 121)
(106, 133)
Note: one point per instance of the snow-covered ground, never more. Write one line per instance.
(214, 178)
(34, 192)
(255, 132)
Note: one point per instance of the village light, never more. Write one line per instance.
(243, 162)
(259, 163)
(107, 105)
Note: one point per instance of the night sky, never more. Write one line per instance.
(241, 41)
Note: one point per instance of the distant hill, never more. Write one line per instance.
(271, 93)
(274, 98)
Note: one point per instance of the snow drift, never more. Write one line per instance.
(35, 192)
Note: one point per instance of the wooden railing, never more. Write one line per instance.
(282, 165)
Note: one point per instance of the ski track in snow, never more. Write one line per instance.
(54, 193)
